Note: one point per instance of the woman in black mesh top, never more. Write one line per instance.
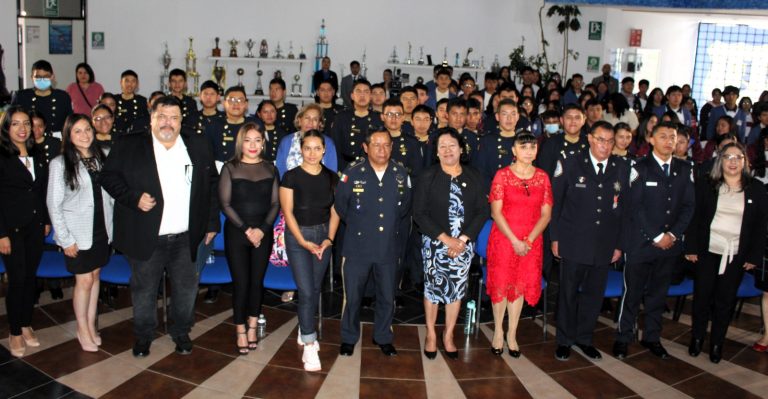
(248, 191)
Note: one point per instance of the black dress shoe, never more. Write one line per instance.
(366, 302)
(183, 344)
(716, 353)
(430, 355)
(694, 349)
(656, 349)
(563, 352)
(212, 295)
(620, 349)
(497, 352)
(590, 351)
(346, 349)
(141, 348)
(57, 293)
(514, 353)
(399, 302)
(452, 355)
(389, 350)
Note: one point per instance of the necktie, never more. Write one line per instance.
(665, 167)
(599, 168)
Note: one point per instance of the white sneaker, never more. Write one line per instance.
(310, 358)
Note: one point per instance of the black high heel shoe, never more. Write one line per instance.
(430, 355)
(496, 351)
(514, 353)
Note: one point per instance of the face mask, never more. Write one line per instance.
(552, 128)
(43, 83)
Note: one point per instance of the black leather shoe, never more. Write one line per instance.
(430, 355)
(514, 353)
(694, 349)
(620, 349)
(141, 348)
(399, 302)
(346, 349)
(183, 344)
(366, 302)
(497, 352)
(57, 293)
(590, 351)
(716, 353)
(656, 349)
(212, 295)
(388, 349)
(563, 352)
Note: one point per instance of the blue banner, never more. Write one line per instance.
(697, 4)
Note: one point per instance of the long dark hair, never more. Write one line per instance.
(6, 145)
(88, 70)
(70, 154)
(619, 104)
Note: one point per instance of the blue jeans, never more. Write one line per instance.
(171, 254)
(308, 272)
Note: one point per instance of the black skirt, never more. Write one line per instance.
(97, 255)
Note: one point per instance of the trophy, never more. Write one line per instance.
(219, 74)
(249, 45)
(421, 55)
(302, 56)
(456, 64)
(393, 57)
(233, 48)
(216, 52)
(259, 89)
(445, 56)
(482, 63)
(240, 73)
(296, 86)
(263, 49)
(466, 63)
(166, 64)
(191, 64)
(278, 51)
(364, 66)
(290, 51)
(496, 66)
(278, 74)
(420, 80)
(409, 60)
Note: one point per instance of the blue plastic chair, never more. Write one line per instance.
(117, 271)
(615, 284)
(218, 241)
(2, 267)
(52, 265)
(746, 290)
(216, 273)
(681, 291)
(482, 251)
(49, 239)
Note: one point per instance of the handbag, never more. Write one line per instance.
(278, 256)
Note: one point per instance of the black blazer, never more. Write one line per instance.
(753, 222)
(22, 200)
(131, 170)
(431, 201)
(317, 78)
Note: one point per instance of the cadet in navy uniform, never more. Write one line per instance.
(662, 204)
(457, 119)
(405, 148)
(372, 198)
(223, 133)
(495, 149)
(54, 104)
(564, 145)
(351, 127)
(177, 82)
(286, 112)
(130, 106)
(325, 97)
(267, 113)
(209, 99)
(590, 192)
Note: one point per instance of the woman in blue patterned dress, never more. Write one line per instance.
(450, 208)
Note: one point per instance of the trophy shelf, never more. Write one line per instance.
(257, 59)
(427, 69)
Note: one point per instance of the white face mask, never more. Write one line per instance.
(42, 83)
(551, 128)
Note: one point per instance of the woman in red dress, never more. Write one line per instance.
(521, 206)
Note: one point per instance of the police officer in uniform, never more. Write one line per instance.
(131, 107)
(286, 112)
(589, 191)
(662, 203)
(351, 127)
(372, 198)
(177, 82)
(54, 104)
(495, 149)
(223, 133)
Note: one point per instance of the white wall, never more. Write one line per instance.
(8, 40)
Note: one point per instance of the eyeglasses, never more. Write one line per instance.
(733, 157)
(395, 115)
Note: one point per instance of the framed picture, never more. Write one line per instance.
(60, 38)
(97, 40)
(593, 64)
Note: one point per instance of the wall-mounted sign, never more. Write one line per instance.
(595, 30)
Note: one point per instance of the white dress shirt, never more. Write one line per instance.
(175, 171)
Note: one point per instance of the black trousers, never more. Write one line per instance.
(247, 264)
(580, 298)
(646, 282)
(21, 266)
(355, 273)
(714, 296)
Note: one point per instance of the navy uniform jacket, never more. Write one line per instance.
(557, 147)
(658, 204)
(406, 151)
(222, 136)
(56, 107)
(202, 121)
(130, 111)
(188, 111)
(286, 118)
(372, 210)
(329, 115)
(494, 153)
(50, 148)
(588, 211)
(349, 132)
(273, 142)
(473, 141)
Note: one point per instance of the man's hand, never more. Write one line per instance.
(666, 242)
(616, 255)
(147, 202)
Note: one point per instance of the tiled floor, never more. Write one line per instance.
(59, 369)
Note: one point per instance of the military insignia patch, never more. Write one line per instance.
(343, 178)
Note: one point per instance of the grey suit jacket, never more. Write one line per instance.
(71, 211)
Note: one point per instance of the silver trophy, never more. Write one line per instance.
(445, 56)
(219, 74)
(302, 56)
(278, 51)
(240, 73)
(456, 63)
(259, 89)
(296, 86)
(249, 45)
(466, 63)
(233, 48)
(409, 60)
(496, 66)
(166, 64)
(421, 55)
(393, 57)
(290, 51)
(263, 49)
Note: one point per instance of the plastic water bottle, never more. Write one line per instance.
(211, 259)
(469, 328)
(261, 326)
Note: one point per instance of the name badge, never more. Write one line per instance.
(228, 138)
(358, 190)
(580, 185)
(651, 183)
